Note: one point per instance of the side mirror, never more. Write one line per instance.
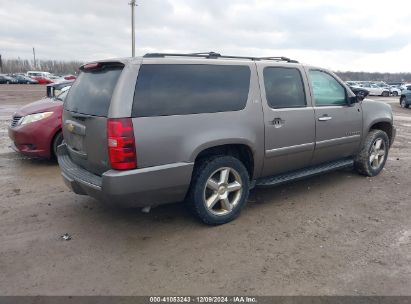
(355, 99)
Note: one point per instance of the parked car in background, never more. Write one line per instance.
(42, 79)
(405, 99)
(6, 79)
(358, 91)
(395, 90)
(404, 86)
(70, 77)
(38, 73)
(25, 80)
(375, 89)
(35, 129)
(205, 128)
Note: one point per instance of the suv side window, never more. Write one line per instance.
(326, 89)
(178, 89)
(284, 88)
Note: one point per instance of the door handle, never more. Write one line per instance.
(277, 122)
(324, 118)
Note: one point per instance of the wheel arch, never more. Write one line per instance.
(55, 133)
(241, 151)
(385, 126)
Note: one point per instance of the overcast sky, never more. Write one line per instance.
(341, 35)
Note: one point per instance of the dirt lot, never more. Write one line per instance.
(337, 234)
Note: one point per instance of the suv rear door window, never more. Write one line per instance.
(171, 89)
(326, 89)
(92, 91)
(284, 88)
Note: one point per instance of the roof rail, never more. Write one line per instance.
(214, 55)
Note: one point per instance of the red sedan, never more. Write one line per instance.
(36, 128)
(42, 79)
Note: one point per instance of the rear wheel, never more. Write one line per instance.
(395, 93)
(219, 189)
(58, 139)
(371, 160)
(385, 93)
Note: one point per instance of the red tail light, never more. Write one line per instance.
(121, 144)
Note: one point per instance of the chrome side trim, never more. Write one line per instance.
(337, 141)
(289, 150)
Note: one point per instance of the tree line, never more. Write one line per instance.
(57, 67)
(366, 76)
(60, 67)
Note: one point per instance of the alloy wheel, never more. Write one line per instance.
(377, 154)
(223, 191)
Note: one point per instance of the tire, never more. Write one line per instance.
(385, 94)
(403, 103)
(395, 93)
(57, 140)
(209, 183)
(373, 155)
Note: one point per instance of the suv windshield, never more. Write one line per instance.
(91, 92)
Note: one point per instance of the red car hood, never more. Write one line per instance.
(43, 105)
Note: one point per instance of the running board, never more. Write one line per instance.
(303, 173)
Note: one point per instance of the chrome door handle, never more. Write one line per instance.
(324, 118)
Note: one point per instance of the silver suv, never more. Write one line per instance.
(205, 128)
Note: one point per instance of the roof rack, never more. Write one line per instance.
(214, 55)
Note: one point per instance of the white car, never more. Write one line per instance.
(395, 90)
(376, 90)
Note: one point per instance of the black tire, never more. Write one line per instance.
(57, 140)
(205, 170)
(385, 93)
(395, 93)
(362, 162)
(403, 103)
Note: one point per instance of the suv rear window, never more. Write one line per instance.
(91, 92)
(190, 89)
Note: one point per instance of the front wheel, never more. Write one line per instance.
(385, 94)
(219, 189)
(371, 160)
(395, 93)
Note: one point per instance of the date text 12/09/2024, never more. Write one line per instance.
(203, 299)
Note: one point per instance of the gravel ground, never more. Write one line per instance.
(336, 234)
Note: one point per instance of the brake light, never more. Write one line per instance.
(91, 66)
(121, 144)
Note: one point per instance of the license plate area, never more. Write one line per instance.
(76, 142)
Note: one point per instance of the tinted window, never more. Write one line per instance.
(284, 88)
(189, 89)
(327, 90)
(91, 92)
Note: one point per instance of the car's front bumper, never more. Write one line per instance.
(138, 188)
(29, 142)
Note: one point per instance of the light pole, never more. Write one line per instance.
(133, 34)
(34, 56)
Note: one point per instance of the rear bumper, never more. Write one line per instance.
(137, 188)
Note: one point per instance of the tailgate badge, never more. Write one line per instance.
(70, 127)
